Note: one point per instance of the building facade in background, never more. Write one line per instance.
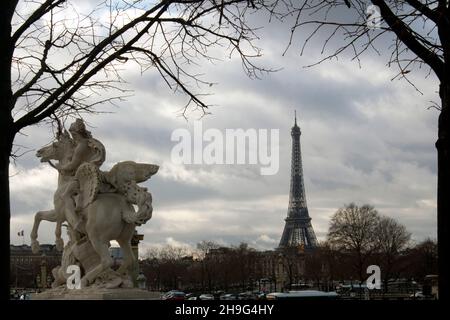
(29, 270)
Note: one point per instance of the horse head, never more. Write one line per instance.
(59, 150)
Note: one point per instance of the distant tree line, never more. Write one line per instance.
(209, 268)
(358, 237)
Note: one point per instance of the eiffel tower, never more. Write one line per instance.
(298, 230)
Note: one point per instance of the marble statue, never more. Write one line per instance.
(97, 207)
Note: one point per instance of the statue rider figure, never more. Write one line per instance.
(87, 149)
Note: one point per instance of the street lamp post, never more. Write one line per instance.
(43, 276)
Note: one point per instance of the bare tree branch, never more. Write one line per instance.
(424, 9)
(170, 36)
(46, 7)
(404, 33)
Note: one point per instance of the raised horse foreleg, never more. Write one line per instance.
(49, 215)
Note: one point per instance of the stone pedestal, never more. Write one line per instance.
(97, 294)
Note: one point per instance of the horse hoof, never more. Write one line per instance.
(59, 244)
(35, 247)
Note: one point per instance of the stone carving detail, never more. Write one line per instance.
(97, 207)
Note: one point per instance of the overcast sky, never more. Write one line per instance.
(365, 139)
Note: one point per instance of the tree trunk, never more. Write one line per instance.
(7, 134)
(443, 202)
(5, 151)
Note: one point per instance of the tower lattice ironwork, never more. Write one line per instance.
(298, 230)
